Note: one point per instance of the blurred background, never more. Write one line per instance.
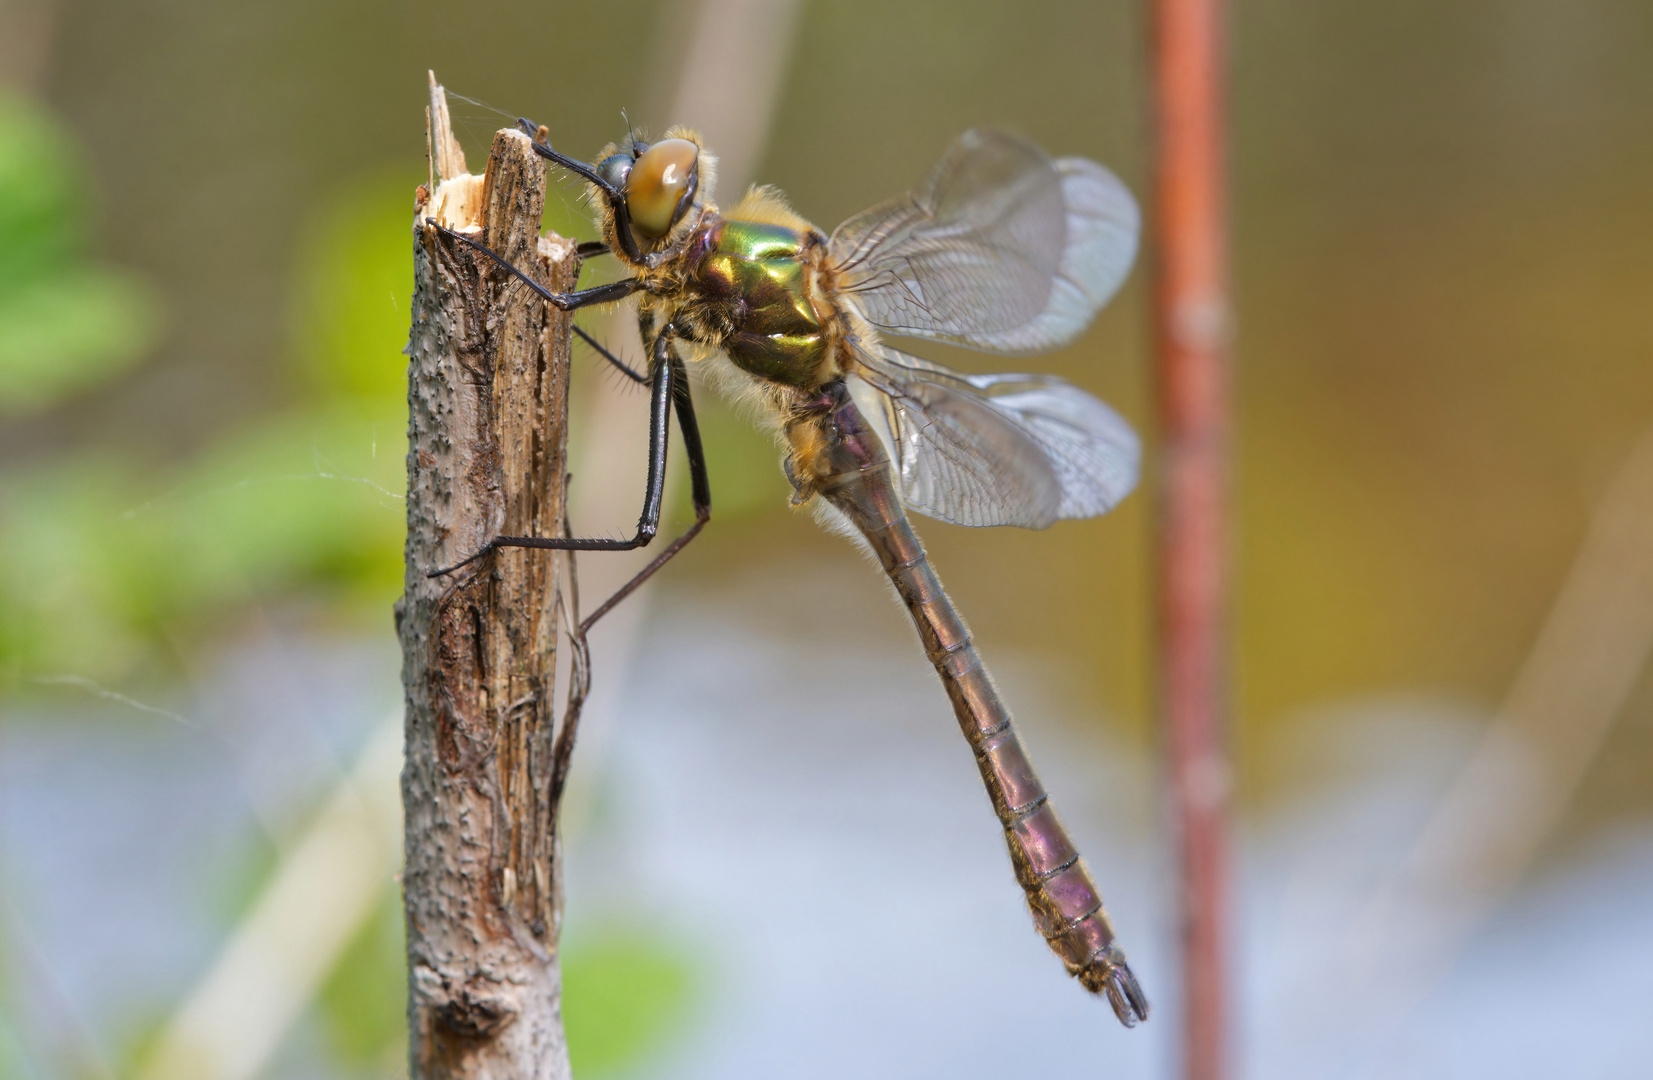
(1443, 718)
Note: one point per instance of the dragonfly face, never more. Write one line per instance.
(1001, 249)
(659, 182)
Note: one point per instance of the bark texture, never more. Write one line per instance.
(487, 397)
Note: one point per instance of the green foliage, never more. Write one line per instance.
(111, 562)
(65, 325)
(105, 563)
(626, 992)
(351, 309)
(44, 215)
(363, 1004)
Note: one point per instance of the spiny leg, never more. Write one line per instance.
(648, 523)
(624, 368)
(574, 299)
(600, 294)
(596, 247)
(699, 485)
(563, 750)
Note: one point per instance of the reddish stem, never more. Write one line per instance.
(1191, 328)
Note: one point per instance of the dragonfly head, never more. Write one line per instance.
(660, 183)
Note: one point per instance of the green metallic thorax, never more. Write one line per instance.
(755, 277)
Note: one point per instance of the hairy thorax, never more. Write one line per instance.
(759, 288)
(756, 285)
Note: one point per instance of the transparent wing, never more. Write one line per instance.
(994, 449)
(999, 249)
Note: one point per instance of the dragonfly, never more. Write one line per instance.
(1001, 249)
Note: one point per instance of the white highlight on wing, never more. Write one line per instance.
(999, 249)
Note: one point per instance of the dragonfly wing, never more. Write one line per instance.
(1022, 450)
(999, 249)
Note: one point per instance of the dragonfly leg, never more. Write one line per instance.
(600, 294)
(648, 523)
(699, 484)
(573, 165)
(615, 196)
(624, 368)
(596, 247)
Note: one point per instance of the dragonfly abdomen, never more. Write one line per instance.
(1066, 905)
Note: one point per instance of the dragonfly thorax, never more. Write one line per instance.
(754, 289)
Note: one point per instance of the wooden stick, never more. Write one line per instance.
(487, 399)
(1191, 324)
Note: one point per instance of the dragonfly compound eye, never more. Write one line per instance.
(661, 186)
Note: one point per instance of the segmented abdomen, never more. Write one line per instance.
(1067, 908)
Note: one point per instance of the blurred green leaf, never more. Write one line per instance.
(44, 206)
(363, 1004)
(140, 1036)
(353, 293)
(64, 326)
(67, 333)
(238, 880)
(106, 563)
(625, 994)
(111, 562)
(16, 1060)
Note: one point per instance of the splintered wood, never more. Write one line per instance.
(487, 400)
